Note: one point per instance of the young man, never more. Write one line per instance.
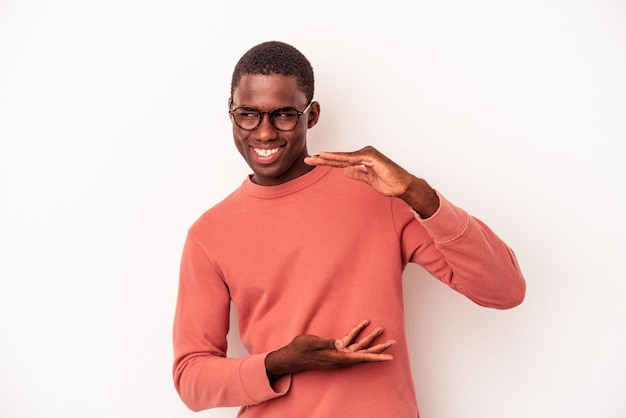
(307, 247)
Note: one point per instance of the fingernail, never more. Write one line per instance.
(338, 344)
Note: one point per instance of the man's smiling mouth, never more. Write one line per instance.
(265, 152)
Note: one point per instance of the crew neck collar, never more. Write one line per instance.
(284, 189)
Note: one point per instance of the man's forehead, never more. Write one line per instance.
(266, 83)
(268, 90)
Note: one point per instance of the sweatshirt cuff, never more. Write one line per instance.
(447, 223)
(253, 377)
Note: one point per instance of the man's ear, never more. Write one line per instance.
(230, 102)
(314, 114)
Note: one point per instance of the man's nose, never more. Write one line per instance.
(266, 130)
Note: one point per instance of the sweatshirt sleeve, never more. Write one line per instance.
(203, 376)
(470, 258)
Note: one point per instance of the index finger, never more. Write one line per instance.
(337, 159)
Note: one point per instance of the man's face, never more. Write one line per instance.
(274, 156)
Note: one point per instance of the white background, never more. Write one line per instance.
(114, 138)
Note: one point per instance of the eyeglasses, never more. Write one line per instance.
(283, 119)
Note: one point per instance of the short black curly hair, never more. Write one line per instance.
(274, 57)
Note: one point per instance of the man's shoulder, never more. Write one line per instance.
(221, 211)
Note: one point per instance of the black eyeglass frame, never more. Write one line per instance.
(271, 115)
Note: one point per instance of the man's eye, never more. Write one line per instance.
(247, 114)
(285, 114)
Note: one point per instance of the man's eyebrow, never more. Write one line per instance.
(276, 109)
(246, 107)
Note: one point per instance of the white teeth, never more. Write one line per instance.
(265, 152)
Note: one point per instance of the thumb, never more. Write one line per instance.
(359, 173)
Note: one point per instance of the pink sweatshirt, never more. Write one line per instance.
(315, 256)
